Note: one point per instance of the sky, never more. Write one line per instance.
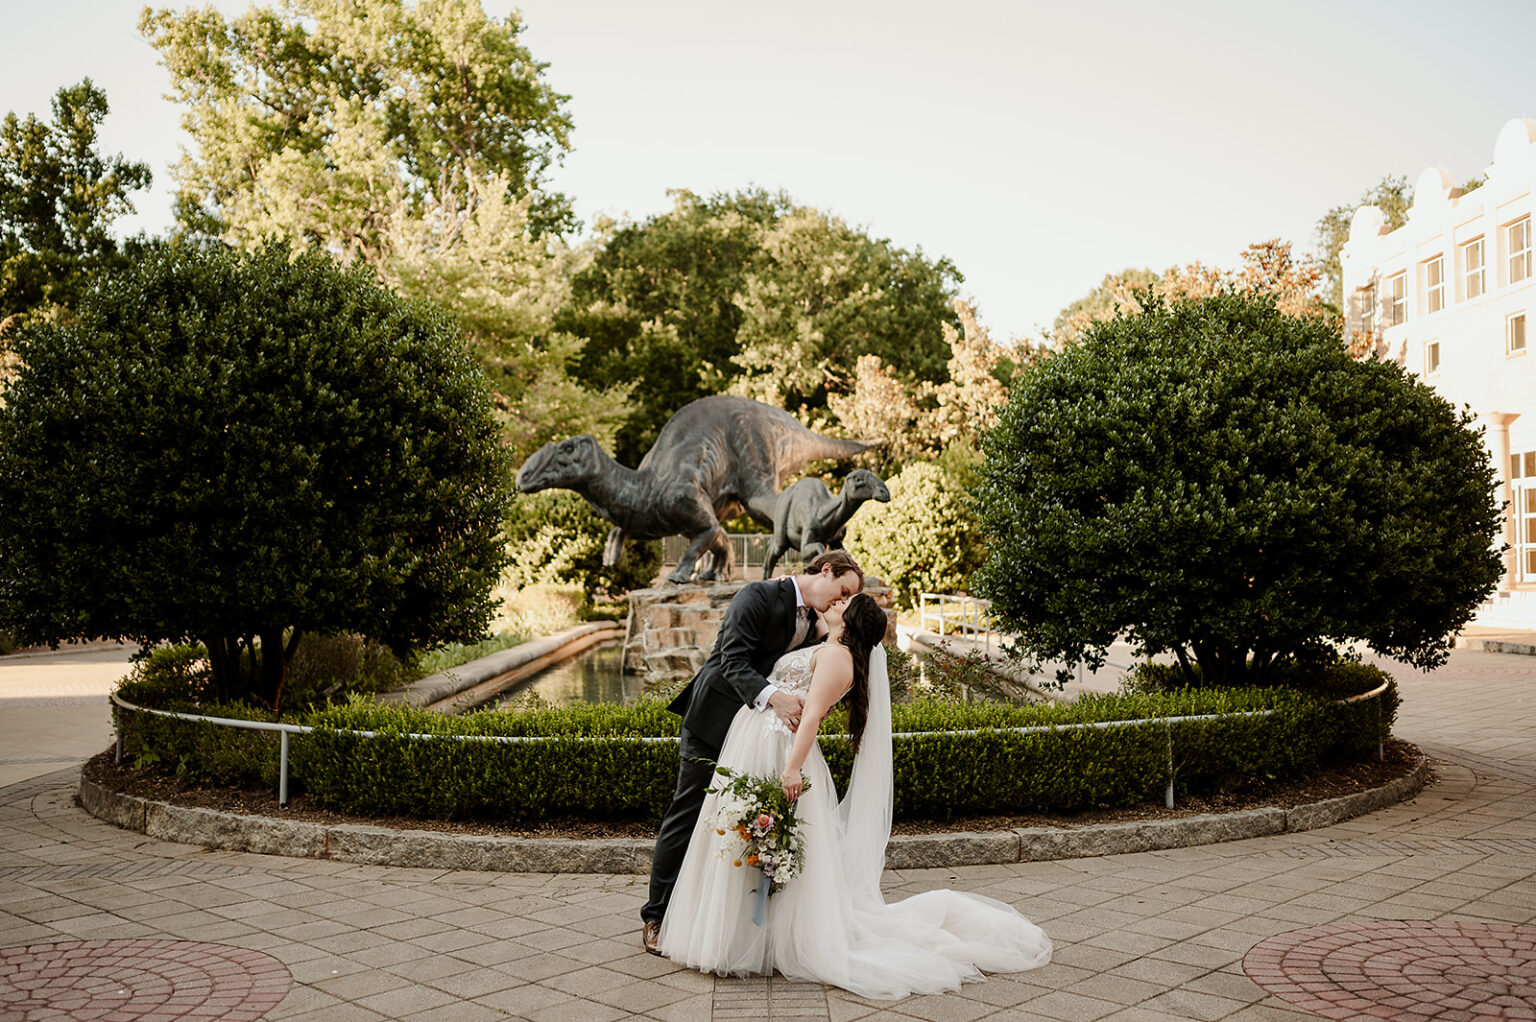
(1039, 146)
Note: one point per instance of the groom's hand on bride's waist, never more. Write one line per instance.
(788, 707)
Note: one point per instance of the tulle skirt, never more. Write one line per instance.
(815, 928)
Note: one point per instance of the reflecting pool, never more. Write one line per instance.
(595, 675)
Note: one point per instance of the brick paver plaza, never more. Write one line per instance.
(1423, 910)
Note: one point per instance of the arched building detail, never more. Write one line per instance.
(1449, 295)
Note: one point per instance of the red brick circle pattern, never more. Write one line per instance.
(1402, 969)
(139, 980)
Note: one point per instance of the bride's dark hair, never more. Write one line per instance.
(864, 625)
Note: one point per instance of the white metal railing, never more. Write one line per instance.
(284, 730)
(956, 615)
(749, 550)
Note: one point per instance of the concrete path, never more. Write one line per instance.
(162, 931)
(54, 710)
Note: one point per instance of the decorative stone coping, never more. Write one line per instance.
(1496, 645)
(386, 846)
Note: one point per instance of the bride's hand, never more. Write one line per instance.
(792, 783)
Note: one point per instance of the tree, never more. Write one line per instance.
(752, 294)
(1219, 480)
(58, 198)
(1391, 195)
(504, 286)
(823, 295)
(240, 450)
(924, 540)
(655, 305)
(1113, 293)
(413, 138)
(316, 118)
(919, 421)
(555, 536)
(1268, 268)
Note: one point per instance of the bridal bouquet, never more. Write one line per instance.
(756, 824)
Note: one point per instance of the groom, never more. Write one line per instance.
(763, 622)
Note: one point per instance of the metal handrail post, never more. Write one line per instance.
(1168, 795)
(282, 769)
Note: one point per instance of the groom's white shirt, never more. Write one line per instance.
(761, 702)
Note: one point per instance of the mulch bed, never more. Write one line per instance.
(1332, 782)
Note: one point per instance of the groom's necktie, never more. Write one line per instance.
(802, 626)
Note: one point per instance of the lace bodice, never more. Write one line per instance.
(792, 671)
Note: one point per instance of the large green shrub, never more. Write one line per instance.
(925, 540)
(1217, 480)
(953, 758)
(239, 449)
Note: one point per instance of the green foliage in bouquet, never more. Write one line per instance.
(755, 822)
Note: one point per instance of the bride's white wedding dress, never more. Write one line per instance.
(831, 924)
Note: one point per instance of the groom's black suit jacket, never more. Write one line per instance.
(758, 628)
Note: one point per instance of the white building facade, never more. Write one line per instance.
(1451, 295)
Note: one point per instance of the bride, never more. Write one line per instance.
(831, 924)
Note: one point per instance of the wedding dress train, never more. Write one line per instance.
(831, 924)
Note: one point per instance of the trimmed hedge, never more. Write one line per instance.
(958, 760)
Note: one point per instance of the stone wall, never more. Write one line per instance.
(672, 628)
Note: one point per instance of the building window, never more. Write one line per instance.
(1367, 303)
(1519, 236)
(1522, 485)
(1472, 267)
(1514, 334)
(1434, 284)
(1397, 288)
(1431, 358)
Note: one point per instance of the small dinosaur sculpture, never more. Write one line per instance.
(809, 519)
(713, 459)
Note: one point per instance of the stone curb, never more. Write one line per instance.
(1497, 646)
(386, 846)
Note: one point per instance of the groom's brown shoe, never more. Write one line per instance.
(651, 937)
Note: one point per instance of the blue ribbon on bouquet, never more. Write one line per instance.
(760, 911)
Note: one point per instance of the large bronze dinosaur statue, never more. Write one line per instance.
(809, 519)
(717, 457)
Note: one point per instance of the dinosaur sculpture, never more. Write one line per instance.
(809, 519)
(713, 459)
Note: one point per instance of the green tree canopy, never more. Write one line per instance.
(753, 294)
(1391, 195)
(1219, 480)
(237, 450)
(921, 421)
(825, 294)
(58, 198)
(317, 117)
(413, 137)
(1100, 303)
(1268, 268)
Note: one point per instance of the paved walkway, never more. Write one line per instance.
(54, 710)
(1423, 910)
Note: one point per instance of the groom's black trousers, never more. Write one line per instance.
(677, 826)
